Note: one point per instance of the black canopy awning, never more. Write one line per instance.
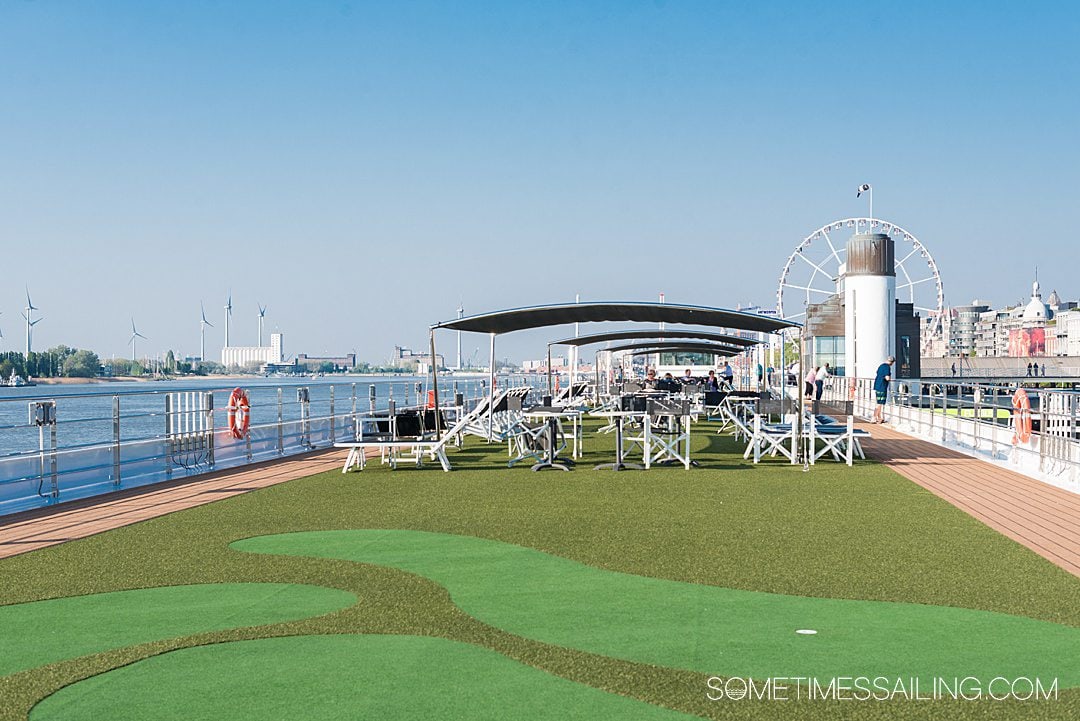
(508, 321)
(678, 349)
(673, 334)
(670, 346)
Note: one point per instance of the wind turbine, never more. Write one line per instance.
(135, 334)
(30, 308)
(202, 332)
(228, 314)
(262, 314)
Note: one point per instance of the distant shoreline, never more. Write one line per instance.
(64, 380)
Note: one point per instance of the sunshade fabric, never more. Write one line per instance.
(655, 334)
(667, 346)
(508, 321)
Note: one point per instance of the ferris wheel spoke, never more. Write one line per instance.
(816, 266)
(831, 246)
(911, 283)
(913, 252)
(809, 289)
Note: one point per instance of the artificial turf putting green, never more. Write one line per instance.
(701, 628)
(35, 634)
(860, 533)
(341, 677)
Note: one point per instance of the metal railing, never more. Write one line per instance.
(68, 443)
(980, 418)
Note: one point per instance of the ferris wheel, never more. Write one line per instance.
(812, 271)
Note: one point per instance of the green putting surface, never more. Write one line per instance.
(337, 677)
(697, 627)
(34, 634)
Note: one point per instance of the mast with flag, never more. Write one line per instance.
(864, 188)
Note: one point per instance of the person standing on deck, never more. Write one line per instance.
(728, 373)
(820, 376)
(810, 379)
(881, 388)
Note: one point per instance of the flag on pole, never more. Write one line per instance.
(862, 189)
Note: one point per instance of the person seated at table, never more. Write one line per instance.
(687, 378)
(650, 378)
(712, 383)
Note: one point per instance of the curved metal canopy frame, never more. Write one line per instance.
(659, 335)
(674, 349)
(508, 321)
(684, 346)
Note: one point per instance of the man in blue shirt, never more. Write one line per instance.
(728, 373)
(881, 388)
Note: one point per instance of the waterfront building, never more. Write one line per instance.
(405, 358)
(241, 356)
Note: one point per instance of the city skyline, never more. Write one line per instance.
(359, 168)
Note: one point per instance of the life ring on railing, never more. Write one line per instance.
(1021, 416)
(239, 418)
(431, 399)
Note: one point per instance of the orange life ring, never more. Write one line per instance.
(1021, 416)
(239, 413)
(431, 399)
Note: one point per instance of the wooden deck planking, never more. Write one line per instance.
(43, 527)
(1042, 517)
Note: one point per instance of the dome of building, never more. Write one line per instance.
(1036, 310)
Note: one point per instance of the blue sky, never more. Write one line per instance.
(359, 167)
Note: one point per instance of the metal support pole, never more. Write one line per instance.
(550, 387)
(280, 427)
(52, 457)
(491, 393)
(799, 415)
(333, 418)
(116, 440)
(435, 386)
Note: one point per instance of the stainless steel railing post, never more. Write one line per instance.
(333, 420)
(280, 427)
(116, 441)
(168, 436)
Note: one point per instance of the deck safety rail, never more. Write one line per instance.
(57, 446)
(980, 417)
